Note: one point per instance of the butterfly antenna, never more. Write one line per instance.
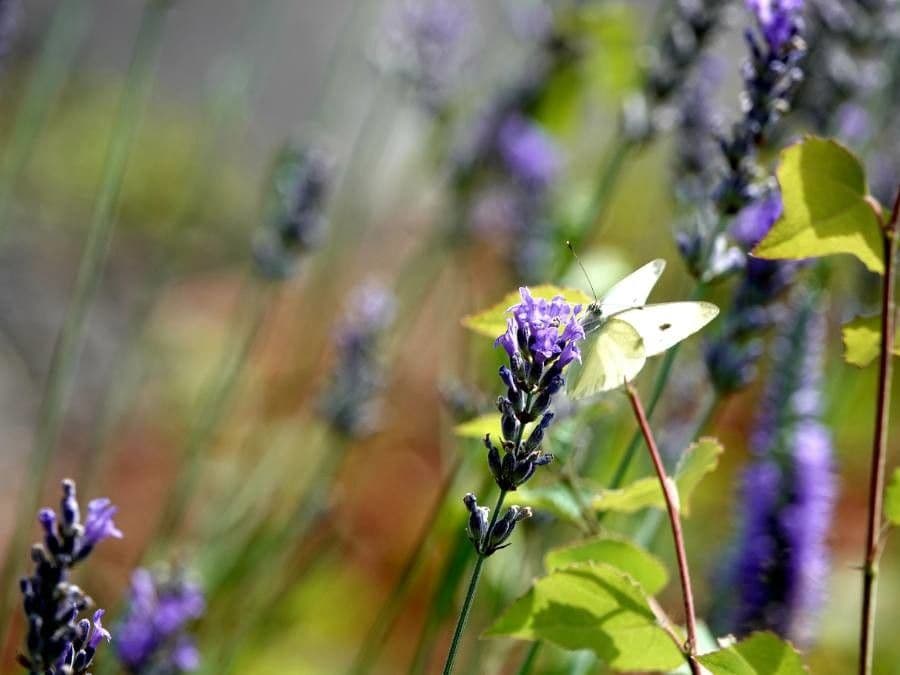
(583, 271)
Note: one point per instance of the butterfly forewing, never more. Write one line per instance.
(612, 355)
(664, 325)
(633, 290)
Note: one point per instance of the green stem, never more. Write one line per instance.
(531, 657)
(604, 186)
(67, 29)
(64, 363)
(470, 593)
(391, 610)
(879, 443)
(226, 376)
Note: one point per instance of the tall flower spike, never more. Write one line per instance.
(732, 355)
(153, 636)
(350, 403)
(771, 75)
(57, 642)
(776, 571)
(294, 219)
(541, 339)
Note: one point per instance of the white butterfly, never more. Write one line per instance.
(622, 331)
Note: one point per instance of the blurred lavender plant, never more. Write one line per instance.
(770, 78)
(10, 16)
(427, 45)
(350, 404)
(152, 638)
(732, 355)
(293, 221)
(57, 641)
(846, 66)
(774, 577)
(689, 29)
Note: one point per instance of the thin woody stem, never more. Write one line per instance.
(671, 500)
(879, 443)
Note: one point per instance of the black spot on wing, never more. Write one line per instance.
(665, 326)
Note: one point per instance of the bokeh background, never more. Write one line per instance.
(190, 361)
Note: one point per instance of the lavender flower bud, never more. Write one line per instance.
(504, 527)
(477, 525)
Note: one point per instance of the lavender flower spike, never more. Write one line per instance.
(57, 642)
(777, 569)
(541, 339)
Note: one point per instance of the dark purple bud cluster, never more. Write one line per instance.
(350, 403)
(541, 340)
(57, 641)
(294, 221)
(486, 539)
(771, 76)
(153, 637)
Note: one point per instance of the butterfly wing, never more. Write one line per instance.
(612, 355)
(666, 324)
(633, 290)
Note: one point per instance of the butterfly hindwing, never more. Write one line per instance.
(663, 325)
(611, 355)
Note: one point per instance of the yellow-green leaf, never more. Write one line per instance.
(698, 460)
(862, 340)
(592, 606)
(478, 427)
(619, 552)
(492, 321)
(759, 654)
(892, 499)
(827, 208)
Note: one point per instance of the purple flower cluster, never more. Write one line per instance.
(530, 155)
(771, 76)
(350, 403)
(57, 640)
(294, 210)
(152, 637)
(541, 339)
(731, 357)
(777, 569)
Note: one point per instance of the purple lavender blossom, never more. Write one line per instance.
(429, 43)
(350, 404)
(529, 153)
(57, 641)
(778, 19)
(152, 637)
(99, 523)
(777, 570)
(541, 339)
(755, 220)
